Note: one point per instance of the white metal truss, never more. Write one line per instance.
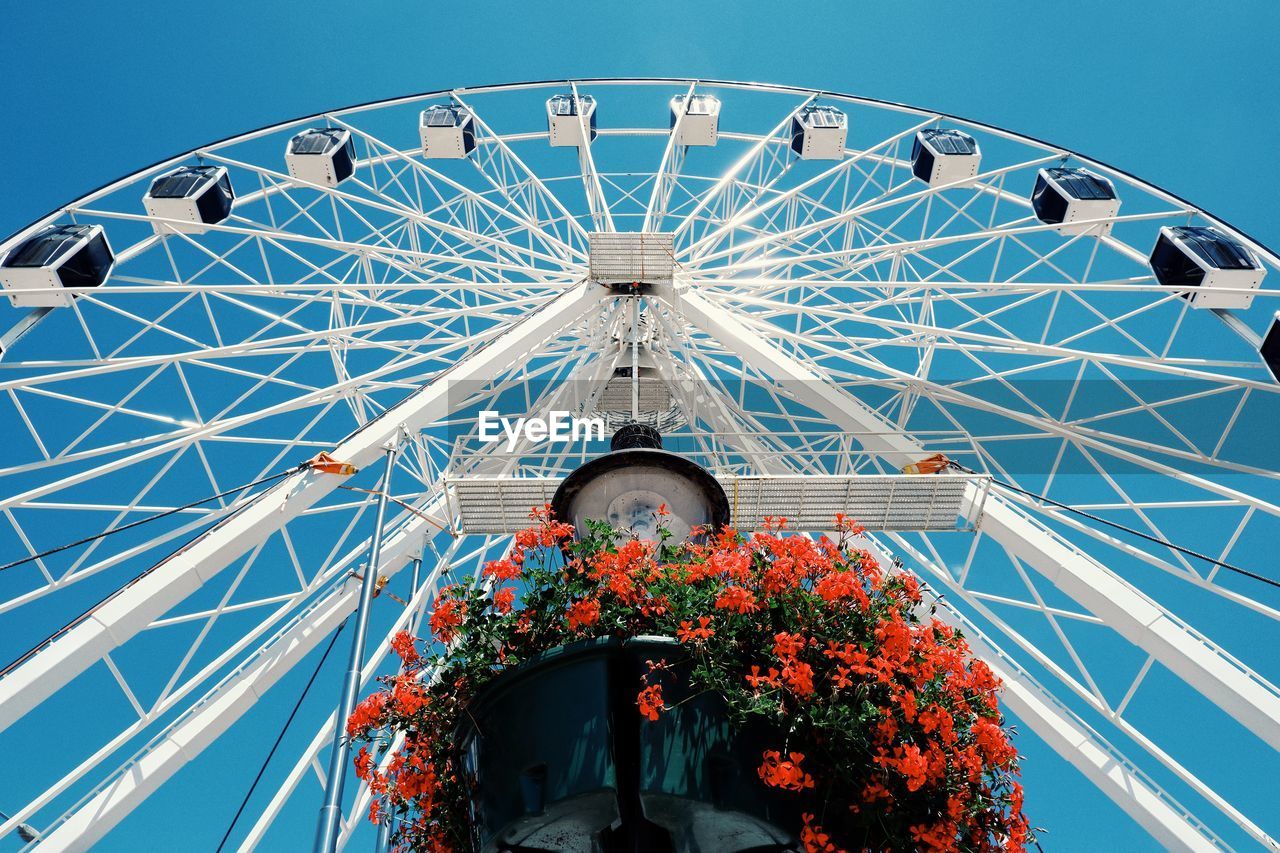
(827, 322)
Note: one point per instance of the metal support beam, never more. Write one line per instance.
(331, 812)
(214, 714)
(182, 574)
(1206, 667)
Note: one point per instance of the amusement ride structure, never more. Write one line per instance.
(241, 393)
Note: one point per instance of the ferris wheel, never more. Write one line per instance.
(207, 366)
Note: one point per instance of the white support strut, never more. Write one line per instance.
(111, 625)
(227, 702)
(1135, 616)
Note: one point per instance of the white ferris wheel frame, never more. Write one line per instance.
(1103, 596)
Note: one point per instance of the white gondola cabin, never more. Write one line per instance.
(448, 132)
(818, 133)
(57, 257)
(571, 120)
(944, 156)
(324, 156)
(695, 119)
(1068, 197)
(1208, 260)
(195, 196)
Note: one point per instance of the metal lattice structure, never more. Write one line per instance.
(830, 318)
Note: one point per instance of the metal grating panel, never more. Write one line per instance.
(499, 504)
(616, 396)
(879, 502)
(632, 257)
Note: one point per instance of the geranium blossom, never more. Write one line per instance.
(886, 731)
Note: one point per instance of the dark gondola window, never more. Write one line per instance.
(89, 266)
(1049, 204)
(1215, 248)
(182, 183)
(1172, 266)
(1271, 348)
(317, 141)
(921, 161)
(1082, 185)
(344, 161)
(46, 247)
(948, 141)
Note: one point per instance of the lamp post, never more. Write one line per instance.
(331, 811)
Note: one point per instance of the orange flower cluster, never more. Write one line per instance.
(650, 701)
(785, 773)
(886, 726)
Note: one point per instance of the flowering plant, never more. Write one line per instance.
(887, 730)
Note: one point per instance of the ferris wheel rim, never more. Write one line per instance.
(747, 85)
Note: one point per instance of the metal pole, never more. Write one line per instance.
(383, 842)
(331, 811)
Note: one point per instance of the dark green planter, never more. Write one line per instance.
(564, 762)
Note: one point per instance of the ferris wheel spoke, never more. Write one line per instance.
(766, 204)
(793, 236)
(871, 254)
(493, 239)
(1039, 419)
(407, 260)
(506, 171)
(597, 204)
(750, 161)
(1045, 551)
(1185, 572)
(517, 212)
(843, 319)
(665, 177)
(225, 421)
(440, 325)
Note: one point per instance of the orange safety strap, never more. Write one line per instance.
(932, 465)
(326, 464)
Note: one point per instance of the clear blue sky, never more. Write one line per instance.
(1182, 94)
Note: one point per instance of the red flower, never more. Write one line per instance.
(363, 762)
(447, 617)
(787, 645)
(755, 679)
(367, 714)
(814, 839)
(503, 570)
(650, 701)
(689, 634)
(738, 600)
(583, 614)
(908, 761)
(403, 645)
(798, 676)
(503, 599)
(786, 774)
